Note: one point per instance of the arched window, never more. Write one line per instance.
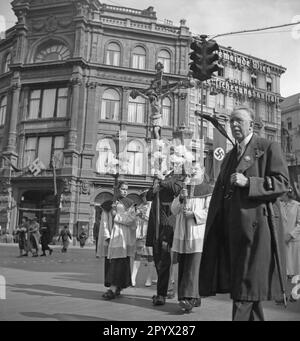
(166, 111)
(139, 58)
(137, 110)
(113, 54)
(52, 52)
(110, 105)
(164, 57)
(135, 155)
(3, 106)
(105, 148)
(7, 61)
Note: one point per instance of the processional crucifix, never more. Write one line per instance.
(159, 89)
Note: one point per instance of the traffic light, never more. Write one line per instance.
(203, 58)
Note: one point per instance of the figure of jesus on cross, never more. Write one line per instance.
(158, 90)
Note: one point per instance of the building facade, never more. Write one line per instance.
(67, 70)
(242, 79)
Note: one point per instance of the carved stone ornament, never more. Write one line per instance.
(66, 185)
(4, 186)
(51, 24)
(85, 187)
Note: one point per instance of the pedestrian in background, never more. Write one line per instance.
(83, 236)
(45, 236)
(21, 232)
(291, 223)
(34, 236)
(96, 228)
(65, 236)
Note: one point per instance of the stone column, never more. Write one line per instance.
(76, 84)
(12, 133)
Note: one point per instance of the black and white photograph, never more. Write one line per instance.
(149, 163)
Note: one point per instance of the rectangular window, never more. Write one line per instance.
(47, 103)
(110, 110)
(221, 72)
(3, 107)
(269, 86)
(34, 104)
(58, 147)
(113, 58)
(270, 137)
(289, 124)
(44, 148)
(30, 151)
(62, 101)
(136, 112)
(138, 62)
(166, 63)
(166, 116)
(253, 81)
(270, 113)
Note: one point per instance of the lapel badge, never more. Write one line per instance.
(247, 158)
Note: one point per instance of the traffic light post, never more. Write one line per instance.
(203, 64)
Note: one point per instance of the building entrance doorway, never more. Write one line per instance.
(40, 203)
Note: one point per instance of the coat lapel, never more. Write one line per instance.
(251, 154)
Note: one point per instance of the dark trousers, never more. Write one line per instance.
(247, 311)
(162, 261)
(106, 272)
(188, 275)
(96, 241)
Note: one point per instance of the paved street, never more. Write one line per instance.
(69, 287)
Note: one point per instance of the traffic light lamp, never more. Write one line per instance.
(203, 58)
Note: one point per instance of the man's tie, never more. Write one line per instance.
(238, 151)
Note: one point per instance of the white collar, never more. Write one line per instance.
(246, 140)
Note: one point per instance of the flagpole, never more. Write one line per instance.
(54, 175)
(201, 126)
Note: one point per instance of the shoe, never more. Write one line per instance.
(186, 306)
(25, 255)
(43, 254)
(158, 300)
(148, 283)
(50, 252)
(109, 295)
(118, 292)
(170, 294)
(197, 302)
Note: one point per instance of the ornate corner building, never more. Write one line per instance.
(67, 69)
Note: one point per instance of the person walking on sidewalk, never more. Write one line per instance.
(142, 251)
(21, 232)
(121, 241)
(34, 236)
(45, 236)
(66, 236)
(291, 223)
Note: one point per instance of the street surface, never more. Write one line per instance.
(69, 287)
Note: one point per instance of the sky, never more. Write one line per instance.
(280, 46)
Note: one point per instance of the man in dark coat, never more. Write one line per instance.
(168, 189)
(45, 236)
(238, 253)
